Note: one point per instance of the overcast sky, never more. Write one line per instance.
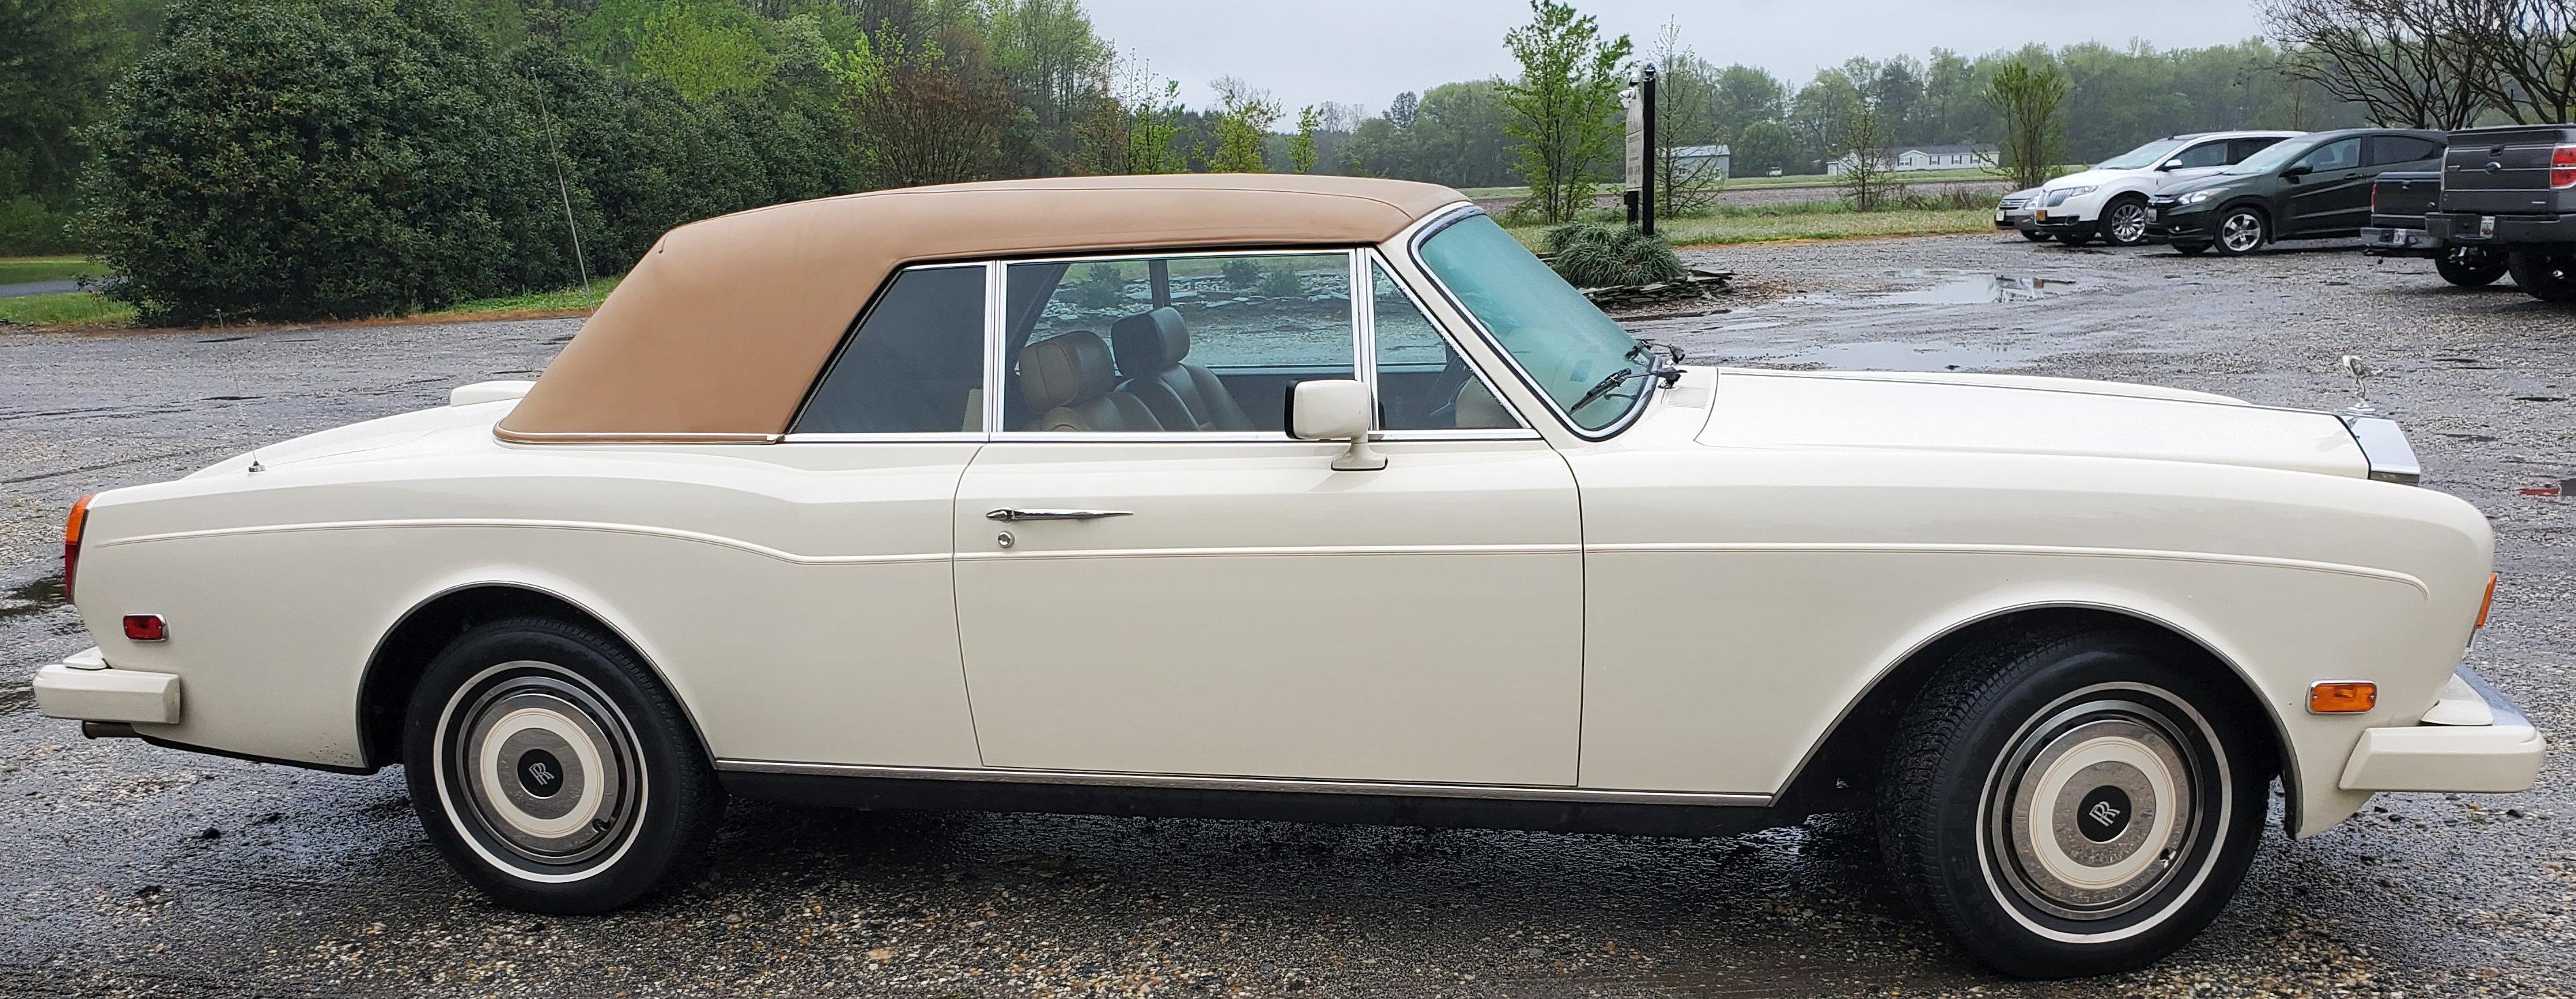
(1366, 51)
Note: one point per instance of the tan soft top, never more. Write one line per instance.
(723, 325)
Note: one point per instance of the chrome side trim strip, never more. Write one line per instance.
(2060, 551)
(1389, 788)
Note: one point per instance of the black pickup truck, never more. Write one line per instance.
(2508, 191)
(2399, 203)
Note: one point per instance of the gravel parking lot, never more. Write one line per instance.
(133, 870)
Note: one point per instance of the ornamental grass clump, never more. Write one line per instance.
(1591, 255)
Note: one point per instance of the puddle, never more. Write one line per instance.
(1978, 289)
(32, 598)
(1919, 355)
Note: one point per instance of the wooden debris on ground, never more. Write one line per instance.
(1700, 283)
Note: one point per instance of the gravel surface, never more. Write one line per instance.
(141, 871)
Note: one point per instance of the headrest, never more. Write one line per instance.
(1149, 342)
(1065, 370)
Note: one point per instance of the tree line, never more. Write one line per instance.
(295, 158)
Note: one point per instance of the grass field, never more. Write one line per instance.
(20, 270)
(1793, 220)
(1790, 181)
(81, 308)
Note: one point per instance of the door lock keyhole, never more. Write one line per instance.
(1004, 539)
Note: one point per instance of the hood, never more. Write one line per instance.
(2084, 177)
(2021, 415)
(2183, 187)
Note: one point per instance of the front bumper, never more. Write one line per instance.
(83, 687)
(2474, 740)
(2173, 220)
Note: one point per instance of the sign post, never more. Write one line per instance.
(1641, 150)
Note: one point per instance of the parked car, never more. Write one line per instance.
(2512, 189)
(2014, 212)
(2109, 201)
(2399, 202)
(1357, 513)
(2314, 187)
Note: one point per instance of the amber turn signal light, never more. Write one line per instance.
(2489, 603)
(2342, 697)
(71, 540)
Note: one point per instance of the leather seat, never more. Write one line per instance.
(1069, 380)
(1151, 349)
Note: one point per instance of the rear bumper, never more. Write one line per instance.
(83, 687)
(2393, 241)
(2470, 228)
(2474, 740)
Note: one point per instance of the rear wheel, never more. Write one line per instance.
(2242, 231)
(2064, 803)
(2470, 268)
(2549, 277)
(2124, 222)
(552, 769)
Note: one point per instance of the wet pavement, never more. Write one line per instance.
(133, 870)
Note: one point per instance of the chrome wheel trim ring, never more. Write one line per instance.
(2128, 223)
(2241, 232)
(2214, 809)
(487, 732)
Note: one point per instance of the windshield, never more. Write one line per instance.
(1564, 344)
(2142, 157)
(2273, 157)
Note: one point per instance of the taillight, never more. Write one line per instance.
(2562, 166)
(71, 541)
(2374, 199)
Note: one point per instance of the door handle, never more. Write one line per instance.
(1007, 514)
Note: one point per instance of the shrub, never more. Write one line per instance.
(290, 159)
(1282, 283)
(1598, 256)
(1100, 287)
(1241, 273)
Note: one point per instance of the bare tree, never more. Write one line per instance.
(2530, 46)
(2411, 62)
(2026, 99)
(1869, 170)
(1685, 117)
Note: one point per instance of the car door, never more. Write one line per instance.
(2199, 160)
(1222, 602)
(2326, 191)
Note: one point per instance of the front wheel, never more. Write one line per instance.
(2064, 803)
(553, 770)
(2242, 231)
(2470, 268)
(2549, 277)
(2124, 223)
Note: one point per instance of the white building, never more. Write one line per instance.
(1908, 158)
(1701, 161)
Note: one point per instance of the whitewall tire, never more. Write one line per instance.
(553, 770)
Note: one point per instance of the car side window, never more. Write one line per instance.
(1422, 382)
(2343, 154)
(915, 364)
(2385, 150)
(1207, 343)
(2239, 149)
(2207, 154)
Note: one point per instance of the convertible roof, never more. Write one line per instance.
(723, 325)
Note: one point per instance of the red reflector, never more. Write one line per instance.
(146, 628)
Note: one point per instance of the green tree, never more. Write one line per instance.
(1563, 105)
(697, 46)
(1762, 147)
(2027, 99)
(293, 159)
(1301, 146)
(1744, 95)
(57, 58)
(1243, 119)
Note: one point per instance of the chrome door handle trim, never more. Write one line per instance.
(1008, 514)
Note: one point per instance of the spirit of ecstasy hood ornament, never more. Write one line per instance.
(2361, 374)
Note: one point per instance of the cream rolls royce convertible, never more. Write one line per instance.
(1311, 498)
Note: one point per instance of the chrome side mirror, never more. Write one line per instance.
(1332, 409)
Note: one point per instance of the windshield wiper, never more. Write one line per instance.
(1602, 388)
